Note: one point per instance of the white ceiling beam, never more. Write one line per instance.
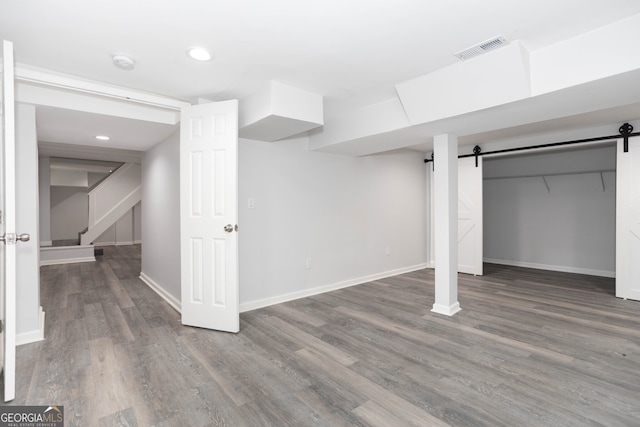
(52, 90)
(30, 75)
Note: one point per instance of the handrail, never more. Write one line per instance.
(101, 180)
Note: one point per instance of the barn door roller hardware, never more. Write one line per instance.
(476, 151)
(625, 130)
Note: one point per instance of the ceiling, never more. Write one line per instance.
(353, 53)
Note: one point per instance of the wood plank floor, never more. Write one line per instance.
(529, 348)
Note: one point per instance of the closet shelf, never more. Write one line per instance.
(538, 175)
(544, 176)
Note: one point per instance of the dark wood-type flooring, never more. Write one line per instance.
(529, 348)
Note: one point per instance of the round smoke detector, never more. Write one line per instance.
(124, 62)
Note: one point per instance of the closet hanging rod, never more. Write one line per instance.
(538, 175)
(625, 132)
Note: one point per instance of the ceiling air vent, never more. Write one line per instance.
(481, 48)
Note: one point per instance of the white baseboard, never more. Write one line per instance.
(67, 261)
(66, 254)
(170, 299)
(46, 243)
(561, 268)
(126, 243)
(446, 309)
(137, 242)
(253, 305)
(32, 336)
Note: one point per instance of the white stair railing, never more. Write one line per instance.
(116, 195)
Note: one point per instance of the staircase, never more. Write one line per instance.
(111, 199)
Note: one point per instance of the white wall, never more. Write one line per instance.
(137, 223)
(340, 212)
(69, 178)
(30, 318)
(161, 216)
(125, 231)
(69, 212)
(571, 227)
(44, 190)
(94, 177)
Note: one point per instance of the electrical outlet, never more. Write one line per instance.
(387, 251)
(308, 264)
(251, 203)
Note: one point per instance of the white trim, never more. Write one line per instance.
(53, 255)
(170, 299)
(127, 243)
(94, 88)
(253, 305)
(561, 268)
(67, 261)
(446, 310)
(32, 336)
(115, 210)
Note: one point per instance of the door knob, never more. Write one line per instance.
(228, 228)
(12, 238)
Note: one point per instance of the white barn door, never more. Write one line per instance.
(628, 220)
(470, 216)
(209, 215)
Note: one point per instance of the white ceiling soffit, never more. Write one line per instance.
(80, 128)
(496, 91)
(71, 151)
(94, 166)
(566, 111)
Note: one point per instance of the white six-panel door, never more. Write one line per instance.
(209, 215)
(628, 220)
(470, 216)
(8, 280)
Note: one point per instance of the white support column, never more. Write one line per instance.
(445, 148)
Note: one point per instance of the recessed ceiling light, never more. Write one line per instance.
(124, 62)
(199, 54)
(102, 137)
